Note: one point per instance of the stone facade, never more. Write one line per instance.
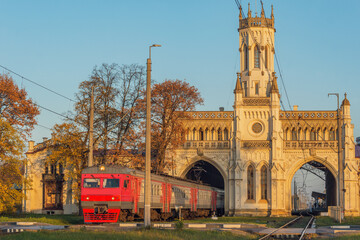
(257, 147)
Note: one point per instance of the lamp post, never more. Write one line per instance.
(147, 187)
(340, 162)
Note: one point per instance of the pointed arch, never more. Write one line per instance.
(264, 182)
(246, 57)
(251, 182)
(257, 54)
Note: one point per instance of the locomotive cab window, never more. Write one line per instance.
(91, 182)
(111, 183)
(126, 183)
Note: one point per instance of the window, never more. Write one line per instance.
(256, 57)
(194, 134)
(266, 57)
(257, 88)
(111, 183)
(126, 183)
(226, 134)
(293, 135)
(91, 183)
(246, 57)
(250, 182)
(206, 134)
(245, 88)
(305, 134)
(201, 135)
(332, 135)
(219, 134)
(312, 135)
(264, 182)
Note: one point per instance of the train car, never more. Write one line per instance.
(111, 193)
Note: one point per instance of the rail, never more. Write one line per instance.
(307, 226)
(303, 232)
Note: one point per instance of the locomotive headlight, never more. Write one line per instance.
(112, 198)
(102, 168)
(87, 198)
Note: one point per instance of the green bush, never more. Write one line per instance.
(179, 225)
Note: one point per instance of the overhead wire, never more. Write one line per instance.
(37, 84)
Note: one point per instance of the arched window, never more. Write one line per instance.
(256, 57)
(250, 182)
(332, 135)
(286, 134)
(305, 134)
(212, 134)
(312, 135)
(266, 57)
(264, 182)
(219, 135)
(206, 134)
(246, 58)
(226, 134)
(293, 135)
(194, 134)
(201, 135)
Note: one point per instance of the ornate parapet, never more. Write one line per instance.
(255, 144)
(207, 144)
(256, 101)
(310, 144)
(256, 22)
(308, 115)
(211, 115)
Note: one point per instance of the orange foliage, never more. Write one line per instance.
(18, 110)
(169, 102)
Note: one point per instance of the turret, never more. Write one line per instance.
(256, 44)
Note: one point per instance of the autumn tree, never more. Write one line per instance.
(11, 167)
(69, 148)
(170, 100)
(16, 107)
(17, 119)
(116, 91)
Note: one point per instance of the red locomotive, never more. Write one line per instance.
(114, 193)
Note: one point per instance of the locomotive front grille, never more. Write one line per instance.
(111, 215)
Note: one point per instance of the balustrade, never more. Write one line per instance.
(207, 144)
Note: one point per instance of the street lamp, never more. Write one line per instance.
(340, 162)
(147, 187)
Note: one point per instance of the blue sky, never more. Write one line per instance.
(57, 43)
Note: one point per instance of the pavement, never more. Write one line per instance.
(15, 227)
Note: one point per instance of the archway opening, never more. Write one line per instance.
(313, 187)
(205, 172)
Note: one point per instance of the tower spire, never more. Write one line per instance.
(272, 12)
(240, 14)
(249, 11)
(262, 10)
(238, 87)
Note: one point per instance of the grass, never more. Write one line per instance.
(127, 235)
(327, 221)
(42, 218)
(267, 221)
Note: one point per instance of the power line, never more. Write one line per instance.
(22, 77)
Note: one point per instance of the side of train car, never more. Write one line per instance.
(115, 193)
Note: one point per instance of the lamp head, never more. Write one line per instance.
(156, 45)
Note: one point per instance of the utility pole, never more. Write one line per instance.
(91, 131)
(147, 187)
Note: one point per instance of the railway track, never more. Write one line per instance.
(272, 234)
